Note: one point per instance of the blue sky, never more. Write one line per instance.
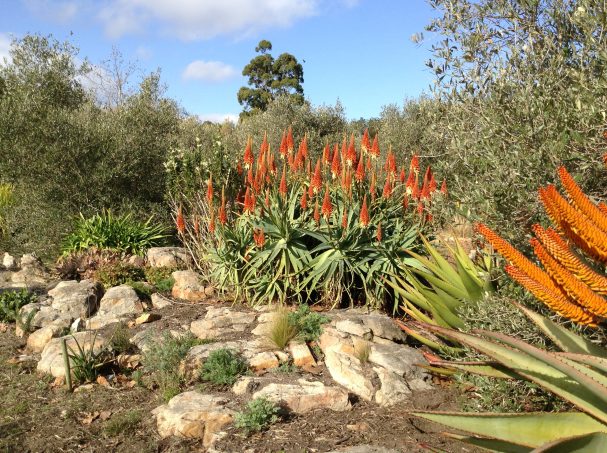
(357, 51)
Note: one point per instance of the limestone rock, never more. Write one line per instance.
(39, 339)
(193, 415)
(393, 389)
(159, 301)
(399, 359)
(120, 301)
(306, 396)
(263, 361)
(248, 384)
(147, 318)
(354, 327)
(32, 274)
(76, 299)
(302, 357)
(220, 322)
(9, 262)
(175, 257)
(136, 261)
(189, 287)
(384, 327)
(51, 360)
(346, 370)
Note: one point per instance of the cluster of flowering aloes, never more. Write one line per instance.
(332, 184)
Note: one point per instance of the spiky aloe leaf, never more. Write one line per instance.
(490, 444)
(538, 366)
(527, 429)
(586, 443)
(598, 363)
(564, 338)
(481, 368)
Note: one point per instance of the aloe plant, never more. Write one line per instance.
(577, 373)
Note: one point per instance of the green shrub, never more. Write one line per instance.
(86, 362)
(163, 358)
(143, 289)
(223, 367)
(115, 274)
(114, 232)
(123, 423)
(258, 415)
(6, 199)
(11, 303)
(120, 339)
(160, 277)
(282, 328)
(308, 323)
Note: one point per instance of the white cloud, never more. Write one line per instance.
(210, 71)
(57, 11)
(219, 117)
(144, 53)
(5, 45)
(203, 19)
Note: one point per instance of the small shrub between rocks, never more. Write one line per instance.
(160, 277)
(282, 329)
(114, 274)
(121, 423)
(143, 289)
(308, 323)
(258, 415)
(120, 339)
(223, 367)
(163, 358)
(12, 301)
(86, 362)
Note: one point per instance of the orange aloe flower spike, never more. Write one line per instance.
(248, 154)
(402, 177)
(443, 188)
(554, 300)
(282, 189)
(250, 178)
(375, 147)
(210, 189)
(364, 213)
(560, 251)
(365, 144)
(249, 201)
(575, 289)
(378, 235)
(581, 201)
(387, 192)
(351, 153)
(304, 199)
(316, 214)
(344, 220)
(212, 221)
(326, 154)
(283, 145)
(327, 207)
(290, 143)
(360, 171)
(223, 218)
(336, 164)
(405, 201)
(414, 166)
(179, 221)
(316, 182)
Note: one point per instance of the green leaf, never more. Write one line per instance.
(586, 443)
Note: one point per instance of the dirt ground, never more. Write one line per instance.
(36, 416)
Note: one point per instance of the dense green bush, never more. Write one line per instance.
(12, 301)
(223, 367)
(258, 415)
(121, 233)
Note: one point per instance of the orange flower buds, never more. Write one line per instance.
(364, 213)
(360, 171)
(365, 144)
(316, 182)
(378, 235)
(336, 163)
(179, 221)
(248, 154)
(210, 190)
(223, 218)
(259, 237)
(375, 147)
(282, 189)
(327, 207)
(387, 192)
(304, 199)
(316, 214)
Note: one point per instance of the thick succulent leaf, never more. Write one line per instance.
(586, 443)
(527, 429)
(564, 338)
(598, 363)
(484, 368)
(540, 367)
(490, 444)
(473, 285)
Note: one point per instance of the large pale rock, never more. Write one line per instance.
(263, 361)
(346, 370)
(399, 359)
(354, 327)
(393, 389)
(188, 286)
(249, 384)
(174, 257)
(193, 415)
(76, 299)
(306, 396)
(120, 301)
(40, 338)
(221, 322)
(159, 301)
(51, 361)
(384, 327)
(44, 315)
(302, 357)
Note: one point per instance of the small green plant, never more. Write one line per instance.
(12, 301)
(286, 367)
(121, 233)
(223, 367)
(86, 361)
(114, 274)
(160, 277)
(6, 199)
(120, 339)
(122, 423)
(282, 329)
(143, 289)
(258, 415)
(308, 323)
(162, 359)
(24, 320)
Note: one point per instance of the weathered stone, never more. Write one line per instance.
(393, 389)
(77, 325)
(51, 360)
(130, 361)
(193, 415)
(39, 339)
(399, 359)
(188, 286)
(220, 322)
(120, 301)
(249, 384)
(152, 335)
(33, 274)
(306, 396)
(159, 301)
(302, 357)
(354, 327)
(76, 299)
(263, 361)
(136, 261)
(147, 318)
(173, 257)
(100, 321)
(346, 370)
(333, 339)
(9, 262)
(384, 327)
